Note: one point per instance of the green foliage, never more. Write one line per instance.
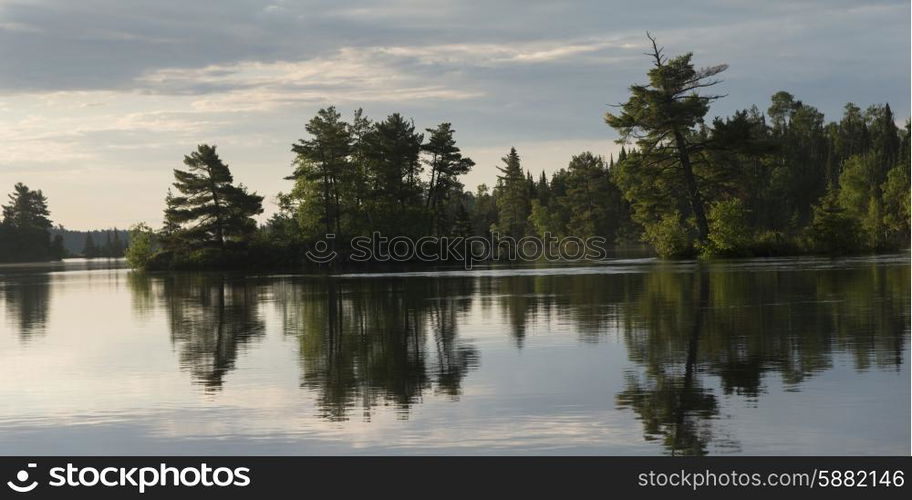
(393, 153)
(778, 183)
(542, 219)
(142, 246)
(513, 198)
(322, 167)
(833, 230)
(780, 172)
(861, 196)
(728, 229)
(484, 210)
(669, 236)
(896, 212)
(662, 117)
(446, 164)
(588, 197)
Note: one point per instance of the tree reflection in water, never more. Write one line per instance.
(364, 342)
(211, 320)
(694, 332)
(737, 327)
(27, 298)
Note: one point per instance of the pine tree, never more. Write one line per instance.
(323, 161)
(446, 164)
(25, 226)
(211, 210)
(662, 116)
(393, 148)
(27, 209)
(587, 198)
(513, 198)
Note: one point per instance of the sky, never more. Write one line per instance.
(101, 99)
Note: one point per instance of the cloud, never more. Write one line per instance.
(350, 75)
(122, 90)
(495, 54)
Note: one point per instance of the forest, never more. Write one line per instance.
(783, 181)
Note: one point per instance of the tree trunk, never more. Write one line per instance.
(219, 230)
(693, 192)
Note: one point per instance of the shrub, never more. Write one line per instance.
(142, 246)
(729, 230)
(832, 231)
(669, 236)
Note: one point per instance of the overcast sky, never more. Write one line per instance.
(100, 99)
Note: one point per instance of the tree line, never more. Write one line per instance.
(781, 182)
(27, 233)
(95, 243)
(752, 184)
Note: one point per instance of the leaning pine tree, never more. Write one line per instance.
(210, 210)
(662, 117)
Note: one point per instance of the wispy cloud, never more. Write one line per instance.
(119, 91)
(350, 75)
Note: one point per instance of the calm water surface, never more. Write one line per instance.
(772, 356)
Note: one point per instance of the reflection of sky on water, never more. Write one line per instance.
(107, 374)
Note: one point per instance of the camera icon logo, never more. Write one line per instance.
(19, 485)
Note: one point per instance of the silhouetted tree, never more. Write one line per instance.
(210, 210)
(24, 229)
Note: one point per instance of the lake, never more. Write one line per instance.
(804, 356)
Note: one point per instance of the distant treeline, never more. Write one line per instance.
(27, 235)
(94, 243)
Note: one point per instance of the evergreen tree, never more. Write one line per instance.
(210, 210)
(446, 164)
(513, 198)
(323, 161)
(800, 163)
(27, 209)
(484, 211)
(832, 230)
(543, 190)
(662, 115)
(393, 148)
(25, 226)
(589, 197)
